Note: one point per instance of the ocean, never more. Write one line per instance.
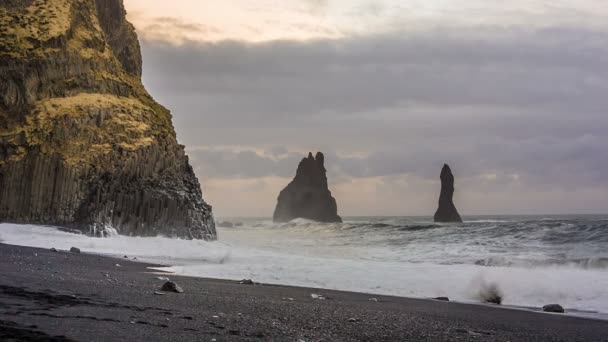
(532, 260)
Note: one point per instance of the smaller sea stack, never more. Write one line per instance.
(308, 196)
(447, 210)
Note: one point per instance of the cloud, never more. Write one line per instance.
(243, 164)
(317, 7)
(172, 29)
(514, 111)
(550, 69)
(537, 163)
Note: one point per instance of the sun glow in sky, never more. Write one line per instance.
(263, 20)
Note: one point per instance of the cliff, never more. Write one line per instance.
(82, 143)
(308, 195)
(447, 210)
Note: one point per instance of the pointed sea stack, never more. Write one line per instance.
(82, 143)
(308, 195)
(447, 210)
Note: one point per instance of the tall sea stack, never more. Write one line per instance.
(82, 143)
(308, 196)
(447, 210)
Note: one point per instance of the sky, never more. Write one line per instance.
(513, 95)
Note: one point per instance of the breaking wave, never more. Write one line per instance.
(528, 261)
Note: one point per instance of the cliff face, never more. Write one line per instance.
(447, 210)
(308, 195)
(82, 144)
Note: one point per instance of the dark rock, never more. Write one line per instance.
(53, 249)
(447, 210)
(171, 287)
(247, 282)
(556, 308)
(308, 195)
(82, 144)
(443, 299)
(75, 250)
(495, 298)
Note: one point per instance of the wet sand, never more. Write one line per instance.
(62, 296)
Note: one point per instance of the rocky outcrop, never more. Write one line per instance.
(82, 144)
(308, 195)
(447, 210)
(120, 35)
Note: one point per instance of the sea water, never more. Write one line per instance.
(533, 261)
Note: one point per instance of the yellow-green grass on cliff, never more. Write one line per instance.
(98, 124)
(24, 32)
(130, 123)
(42, 21)
(83, 127)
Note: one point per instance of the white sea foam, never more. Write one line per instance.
(324, 258)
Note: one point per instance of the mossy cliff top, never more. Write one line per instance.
(37, 28)
(71, 58)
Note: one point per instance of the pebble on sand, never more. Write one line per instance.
(443, 299)
(555, 308)
(171, 287)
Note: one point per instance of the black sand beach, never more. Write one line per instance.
(61, 296)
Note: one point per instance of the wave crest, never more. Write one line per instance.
(583, 263)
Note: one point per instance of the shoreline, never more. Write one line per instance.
(64, 296)
(158, 270)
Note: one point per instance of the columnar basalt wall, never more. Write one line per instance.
(82, 144)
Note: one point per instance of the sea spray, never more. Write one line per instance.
(486, 292)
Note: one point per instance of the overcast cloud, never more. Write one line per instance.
(521, 115)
